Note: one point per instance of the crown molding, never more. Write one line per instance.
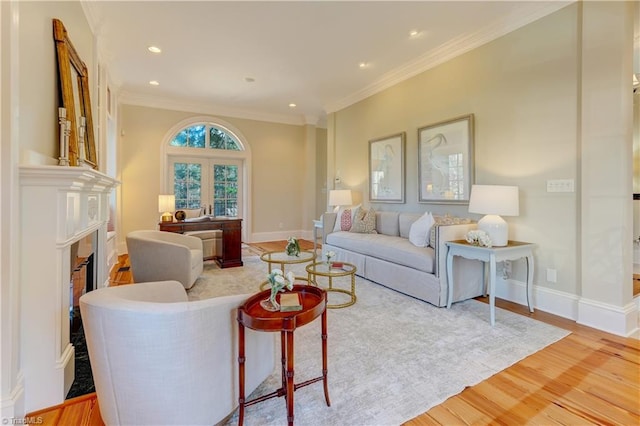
(132, 98)
(450, 50)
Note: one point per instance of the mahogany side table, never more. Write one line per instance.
(253, 316)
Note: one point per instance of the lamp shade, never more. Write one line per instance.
(166, 203)
(494, 201)
(501, 200)
(340, 197)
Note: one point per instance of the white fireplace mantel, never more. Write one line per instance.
(58, 206)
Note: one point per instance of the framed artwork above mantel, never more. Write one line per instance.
(445, 161)
(74, 87)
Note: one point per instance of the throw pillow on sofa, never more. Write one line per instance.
(419, 231)
(445, 220)
(364, 221)
(344, 219)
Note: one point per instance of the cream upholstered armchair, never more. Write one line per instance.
(160, 256)
(159, 359)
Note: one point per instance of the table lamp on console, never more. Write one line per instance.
(494, 201)
(166, 204)
(339, 197)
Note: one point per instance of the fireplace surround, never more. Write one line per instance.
(59, 206)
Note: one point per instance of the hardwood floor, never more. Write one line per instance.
(589, 377)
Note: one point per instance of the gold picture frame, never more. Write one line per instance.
(74, 85)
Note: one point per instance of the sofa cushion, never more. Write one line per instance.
(364, 221)
(387, 223)
(393, 249)
(405, 220)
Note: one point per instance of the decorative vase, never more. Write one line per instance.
(293, 247)
(270, 304)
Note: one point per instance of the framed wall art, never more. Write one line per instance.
(386, 169)
(74, 85)
(445, 161)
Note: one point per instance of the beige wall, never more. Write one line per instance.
(277, 170)
(39, 74)
(522, 91)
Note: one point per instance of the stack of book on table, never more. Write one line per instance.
(290, 302)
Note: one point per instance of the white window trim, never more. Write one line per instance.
(167, 151)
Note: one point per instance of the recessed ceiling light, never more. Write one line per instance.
(363, 65)
(249, 79)
(154, 49)
(154, 83)
(292, 105)
(414, 33)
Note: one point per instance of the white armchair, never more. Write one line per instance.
(160, 256)
(159, 359)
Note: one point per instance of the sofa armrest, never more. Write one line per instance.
(328, 222)
(446, 233)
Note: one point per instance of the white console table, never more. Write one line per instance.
(512, 251)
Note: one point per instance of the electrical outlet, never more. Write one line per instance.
(506, 269)
(552, 275)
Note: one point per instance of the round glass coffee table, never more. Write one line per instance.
(337, 269)
(281, 258)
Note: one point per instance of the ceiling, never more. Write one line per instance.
(303, 52)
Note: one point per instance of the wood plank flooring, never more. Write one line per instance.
(589, 377)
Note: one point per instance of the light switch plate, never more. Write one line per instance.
(560, 185)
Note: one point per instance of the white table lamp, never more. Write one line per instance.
(494, 201)
(166, 204)
(340, 197)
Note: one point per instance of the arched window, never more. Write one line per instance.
(206, 136)
(206, 168)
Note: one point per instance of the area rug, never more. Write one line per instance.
(391, 357)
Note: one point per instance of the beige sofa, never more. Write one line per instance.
(390, 259)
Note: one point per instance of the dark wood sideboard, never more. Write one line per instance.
(231, 235)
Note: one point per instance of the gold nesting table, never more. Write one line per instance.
(334, 270)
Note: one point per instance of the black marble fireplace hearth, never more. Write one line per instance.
(83, 382)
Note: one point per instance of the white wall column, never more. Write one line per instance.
(606, 299)
(11, 381)
(309, 190)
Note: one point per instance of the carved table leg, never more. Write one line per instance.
(324, 358)
(290, 383)
(241, 360)
(283, 359)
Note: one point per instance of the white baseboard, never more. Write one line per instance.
(622, 321)
(553, 301)
(12, 407)
(602, 316)
(259, 237)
